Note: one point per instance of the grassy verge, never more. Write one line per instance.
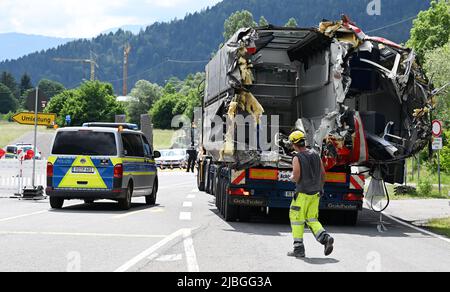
(12, 131)
(440, 226)
(413, 176)
(433, 195)
(162, 139)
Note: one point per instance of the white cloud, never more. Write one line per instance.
(87, 18)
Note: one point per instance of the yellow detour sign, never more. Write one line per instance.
(42, 119)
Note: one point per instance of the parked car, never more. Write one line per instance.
(172, 158)
(26, 147)
(13, 151)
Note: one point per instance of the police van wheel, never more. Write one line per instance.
(125, 204)
(151, 200)
(56, 203)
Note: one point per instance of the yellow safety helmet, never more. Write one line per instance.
(297, 137)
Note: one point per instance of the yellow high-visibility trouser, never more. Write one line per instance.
(305, 210)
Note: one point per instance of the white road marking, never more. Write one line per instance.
(187, 205)
(191, 257)
(185, 216)
(417, 228)
(170, 258)
(23, 216)
(191, 197)
(194, 190)
(134, 261)
(80, 234)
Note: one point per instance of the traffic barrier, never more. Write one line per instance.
(10, 170)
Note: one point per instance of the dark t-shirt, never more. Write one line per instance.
(311, 173)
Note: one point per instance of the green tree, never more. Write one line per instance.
(56, 104)
(93, 101)
(9, 81)
(144, 95)
(238, 20)
(263, 21)
(431, 28)
(50, 88)
(25, 84)
(292, 22)
(437, 64)
(165, 109)
(7, 100)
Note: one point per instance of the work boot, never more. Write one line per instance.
(328, 243)
(299, 252)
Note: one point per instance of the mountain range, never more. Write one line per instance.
(181, 47)
(15, 45)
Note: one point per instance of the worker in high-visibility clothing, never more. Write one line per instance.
(309, 175)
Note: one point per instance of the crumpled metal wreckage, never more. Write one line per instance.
(361, 100)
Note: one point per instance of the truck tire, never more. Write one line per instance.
(231, 211)
(351, 218)
(207, 179)
(200, 178)
(56, 203)
(214, 185)
(244, 214)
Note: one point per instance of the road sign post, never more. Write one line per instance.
(36, 119)
(35, 136)
(438, 144)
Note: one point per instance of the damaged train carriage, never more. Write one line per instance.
(363, 101)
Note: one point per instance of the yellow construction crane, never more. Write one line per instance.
(91, 61)
(126, 54)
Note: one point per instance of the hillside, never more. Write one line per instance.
(197, 36)
(15, 45)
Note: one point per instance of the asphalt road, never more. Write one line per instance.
(185, 233)
(44, 141)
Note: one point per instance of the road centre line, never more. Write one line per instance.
(185, 216)
(187, 204)
(150, 251)
(80, 234)
(22, 216)
(191, 256)
(417, 228)
(191, 197)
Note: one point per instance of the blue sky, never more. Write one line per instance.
(88, 18)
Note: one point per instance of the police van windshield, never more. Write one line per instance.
(85, 143)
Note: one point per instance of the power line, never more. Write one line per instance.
(186, 62)
(392, 24)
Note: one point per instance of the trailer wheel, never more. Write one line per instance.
(351, 218)
(231, 211)
(218, 195)
(200, 178)
(207, 179)
(244, 214)
(214, 184)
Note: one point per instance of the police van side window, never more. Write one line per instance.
(132, 145)
(147, 147)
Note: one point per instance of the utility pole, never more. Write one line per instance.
(126, 54)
